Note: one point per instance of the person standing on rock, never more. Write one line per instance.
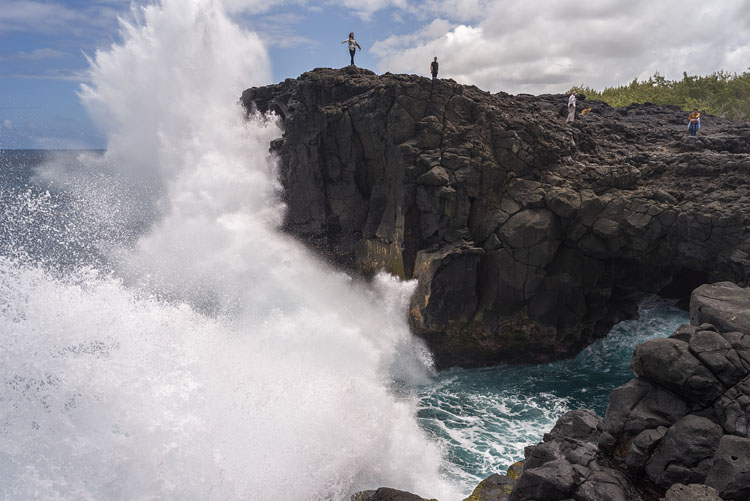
(571, 107)
(353, 46)
(694, 122)
(434, 68)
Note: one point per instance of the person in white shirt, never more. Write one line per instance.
(353, 46)
(571, 107)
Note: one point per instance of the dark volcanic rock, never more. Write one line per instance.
(529, 236)
(493, 488)
(387, 494)
(730, 471)
(725, 305)
(683, 420)
(692, 492)
(565, 465)
(669, 363)
(685, 452)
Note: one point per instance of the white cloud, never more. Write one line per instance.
(549, 45)
(7, 124)
(366, 8)
(34, 16)
(34, 55)
(256, 6)
(460, 10)
(54, 17)
(362, 8)
(59, 74)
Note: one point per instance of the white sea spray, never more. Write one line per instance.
(215, 358)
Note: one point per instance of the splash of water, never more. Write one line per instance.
(218, 360)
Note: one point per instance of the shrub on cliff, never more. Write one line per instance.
(721, 93)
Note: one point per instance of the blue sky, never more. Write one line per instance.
(533, 46)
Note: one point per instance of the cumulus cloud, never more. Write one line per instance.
(550, 45)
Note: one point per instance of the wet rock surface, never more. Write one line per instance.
(529, 237)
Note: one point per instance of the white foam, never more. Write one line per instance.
(220, 360)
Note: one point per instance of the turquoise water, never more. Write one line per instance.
(485, 417)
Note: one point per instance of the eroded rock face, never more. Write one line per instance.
(529, 236)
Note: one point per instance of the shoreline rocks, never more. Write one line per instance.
(529, 237)
(678, 430)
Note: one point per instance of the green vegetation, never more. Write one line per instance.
(721, 93)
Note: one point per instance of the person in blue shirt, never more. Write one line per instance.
(694, 122)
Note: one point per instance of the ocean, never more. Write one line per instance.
(160, 337)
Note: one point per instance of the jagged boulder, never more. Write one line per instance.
(692, 492)
(671, 364)
(730, 469)
(565, 465)
(684, 453)
(723, 304)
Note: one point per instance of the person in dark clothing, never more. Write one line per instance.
(353, 46)
(434, 68)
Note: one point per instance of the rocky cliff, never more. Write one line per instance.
(529, 237)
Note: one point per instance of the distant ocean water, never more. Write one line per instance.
(70, 317)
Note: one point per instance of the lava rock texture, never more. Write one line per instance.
(529, 237)
(679, 429)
